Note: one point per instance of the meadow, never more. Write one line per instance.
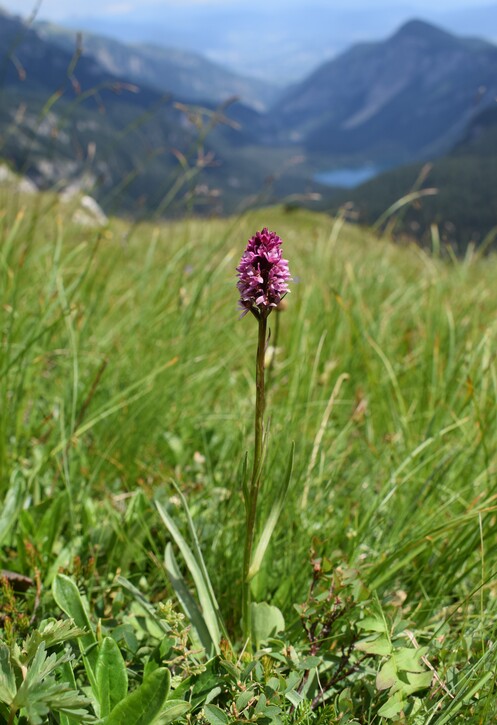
(127, 383)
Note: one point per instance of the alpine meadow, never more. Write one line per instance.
(248, 457)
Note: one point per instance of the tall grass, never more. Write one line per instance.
(123, 365)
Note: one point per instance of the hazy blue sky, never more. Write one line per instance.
(62, 9)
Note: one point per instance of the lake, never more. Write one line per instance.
(347, 178)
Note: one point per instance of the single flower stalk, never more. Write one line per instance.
(263, 278)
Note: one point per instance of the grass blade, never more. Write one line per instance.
(208, 604)
(188, 603)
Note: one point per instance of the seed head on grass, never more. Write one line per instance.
(263, 274)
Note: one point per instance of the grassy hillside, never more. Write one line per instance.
(125, 366)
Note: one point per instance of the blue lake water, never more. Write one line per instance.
(347, 178)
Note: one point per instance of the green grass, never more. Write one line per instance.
(123, 366)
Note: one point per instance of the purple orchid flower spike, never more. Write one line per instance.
(263, 274)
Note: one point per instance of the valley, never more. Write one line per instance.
(151, 130)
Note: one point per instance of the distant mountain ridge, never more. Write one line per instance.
(180, 72)
(406, 97)
(283, 43)
(67, 120)
(34, 64)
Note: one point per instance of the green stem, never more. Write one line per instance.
(274, 343)
(255, 482)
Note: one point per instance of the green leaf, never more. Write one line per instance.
(212, 612)
(112, 677)
(196, 566)
(233, 671)
(196, 688)
(273, 685)
(53, 697)
(387, 677)
(307, 663)
(143, 705)
(40, 693)
(294, 697)
(409, 659)
(416, 681)
(215, 716)
(8, 687)
(291, 681)
(272, 712)
(51, 632)
(468, 696)
(213, 694)
(41, 667)
(261, 704)
(172, 710)
(68, 598)
(404, 672)
(272, 520)
(243, 699)
(267, 621)
(67, 675)
(186, 600)
(11, 506)
(372, 624)
(393, 706)
(375, 646)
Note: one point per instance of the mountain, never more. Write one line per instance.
(410, 96)
(182, 73)
(38, 66)
(276, 42)
(465, 206)
(66, 120)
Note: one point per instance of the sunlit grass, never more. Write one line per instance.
(124, 364)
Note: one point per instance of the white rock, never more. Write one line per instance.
(26, 186)
(6, 175)
(18, 183)
(90, 213)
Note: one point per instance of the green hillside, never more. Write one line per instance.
(124, 367)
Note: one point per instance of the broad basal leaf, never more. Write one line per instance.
(145, 704)
(112, 678)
